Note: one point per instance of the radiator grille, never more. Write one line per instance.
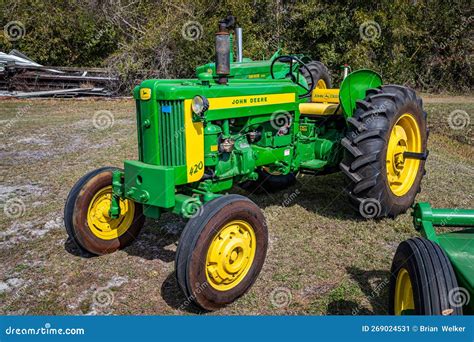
(171, 134)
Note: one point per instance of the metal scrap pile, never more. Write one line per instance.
(22, 77)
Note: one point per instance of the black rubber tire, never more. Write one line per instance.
(75, 229)
(431, 274)
(268, 182)
(319, 71)
(194, 244)
(365, 144)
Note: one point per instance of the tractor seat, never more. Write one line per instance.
(323, 102)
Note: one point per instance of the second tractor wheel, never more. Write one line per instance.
(422, 280)
(320, 75)
(221, 251)
(385, 151)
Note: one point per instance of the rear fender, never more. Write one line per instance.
(354, 88)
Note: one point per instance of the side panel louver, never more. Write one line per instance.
(171, 133)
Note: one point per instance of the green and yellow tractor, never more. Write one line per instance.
(256, 124)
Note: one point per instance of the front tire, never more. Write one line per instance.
(422, 280)
(86, 215)
(388, 123)
(221, 251)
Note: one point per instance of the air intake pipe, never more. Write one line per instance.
(238, 36)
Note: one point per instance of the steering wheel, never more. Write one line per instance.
(301, 64)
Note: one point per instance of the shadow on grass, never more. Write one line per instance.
(346, 307)
(175, 298)
(72, 248)
(156, 242)
(374, 284)
(323, 195)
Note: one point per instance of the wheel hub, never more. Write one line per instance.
(98, 217)
(230, 255)
(404, 137)
(404, 303)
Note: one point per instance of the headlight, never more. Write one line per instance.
(200, 104)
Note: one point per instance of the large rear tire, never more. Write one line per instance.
(320, 74)
(86, 215)
(381, 180)
(422, 280)
(221, 251)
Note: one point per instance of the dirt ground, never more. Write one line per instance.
(322, 258)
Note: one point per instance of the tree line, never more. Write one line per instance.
(423, 44)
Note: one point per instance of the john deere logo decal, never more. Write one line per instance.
(251, 100)
(243, 101)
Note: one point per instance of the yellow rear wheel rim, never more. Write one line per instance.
(321, 84)
(98, 220)
(404, 137)
(404, 303)
(230, 255)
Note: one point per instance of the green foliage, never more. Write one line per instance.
(423, 44)
(61, 33)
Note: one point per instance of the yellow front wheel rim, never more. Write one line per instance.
(404, 303)
(404, 137)
(98, 220)
(230, 255)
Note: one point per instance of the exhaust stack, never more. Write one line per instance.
(223, 49)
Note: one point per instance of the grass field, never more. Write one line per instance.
(322, 258)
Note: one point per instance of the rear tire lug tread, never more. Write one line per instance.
(352, 175)
(365, 105)
(345, 142)
(357, 124)
(373, 91)
(373, 112)
(364, 160)
(365, 185)
(369, 134)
